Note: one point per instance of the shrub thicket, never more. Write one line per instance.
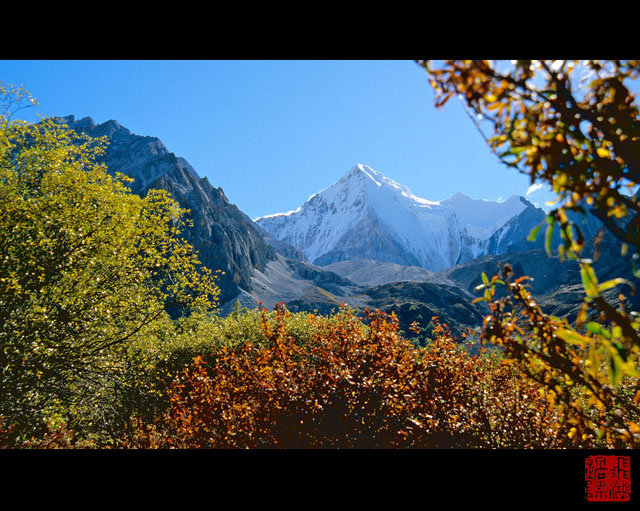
(91, 358)
(351, 383)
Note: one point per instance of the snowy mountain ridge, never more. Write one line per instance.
(366, 215)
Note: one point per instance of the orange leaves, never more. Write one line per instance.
(354, 384)
(582, 137)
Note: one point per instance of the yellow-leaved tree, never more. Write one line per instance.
(86, 268)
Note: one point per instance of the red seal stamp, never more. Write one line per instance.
(607, 478)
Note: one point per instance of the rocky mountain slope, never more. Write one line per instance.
(421, 301)
(368, 272)
(381, 246)
(556, 285)
(224, 237)
(256, 266)
(366, 215)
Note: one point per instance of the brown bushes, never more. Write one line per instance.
(353, 384)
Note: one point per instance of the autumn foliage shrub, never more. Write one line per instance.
(352, 384)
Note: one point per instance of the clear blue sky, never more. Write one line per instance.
(272, 133)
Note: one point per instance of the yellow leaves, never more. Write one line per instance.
(582, 315)
(581, 371)
(589, 279)
(542, 135)
(572, 337)
(87, 266)
(611, 283)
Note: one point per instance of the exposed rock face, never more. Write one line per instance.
(224, 237)
(556, 285)
(403, 238)
(279, 246)
(366, 215)
(301, 285)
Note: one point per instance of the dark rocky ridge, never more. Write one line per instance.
(223, 236)
(556, 285)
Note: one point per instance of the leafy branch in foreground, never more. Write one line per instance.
(572, 124)
(575, 126)
(13, 99)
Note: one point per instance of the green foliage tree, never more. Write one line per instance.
(574, 125)
(86, 268)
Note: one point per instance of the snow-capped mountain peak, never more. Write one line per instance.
(368, 215)
(368, 177)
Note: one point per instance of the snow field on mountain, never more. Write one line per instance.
(434, 233)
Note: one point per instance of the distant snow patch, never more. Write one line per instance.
(533, 188)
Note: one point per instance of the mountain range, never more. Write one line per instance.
(366, 215)
(366, 241)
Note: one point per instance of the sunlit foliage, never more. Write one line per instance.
(572, 124)
(108, 338)
(351, 384)
(86, 267)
